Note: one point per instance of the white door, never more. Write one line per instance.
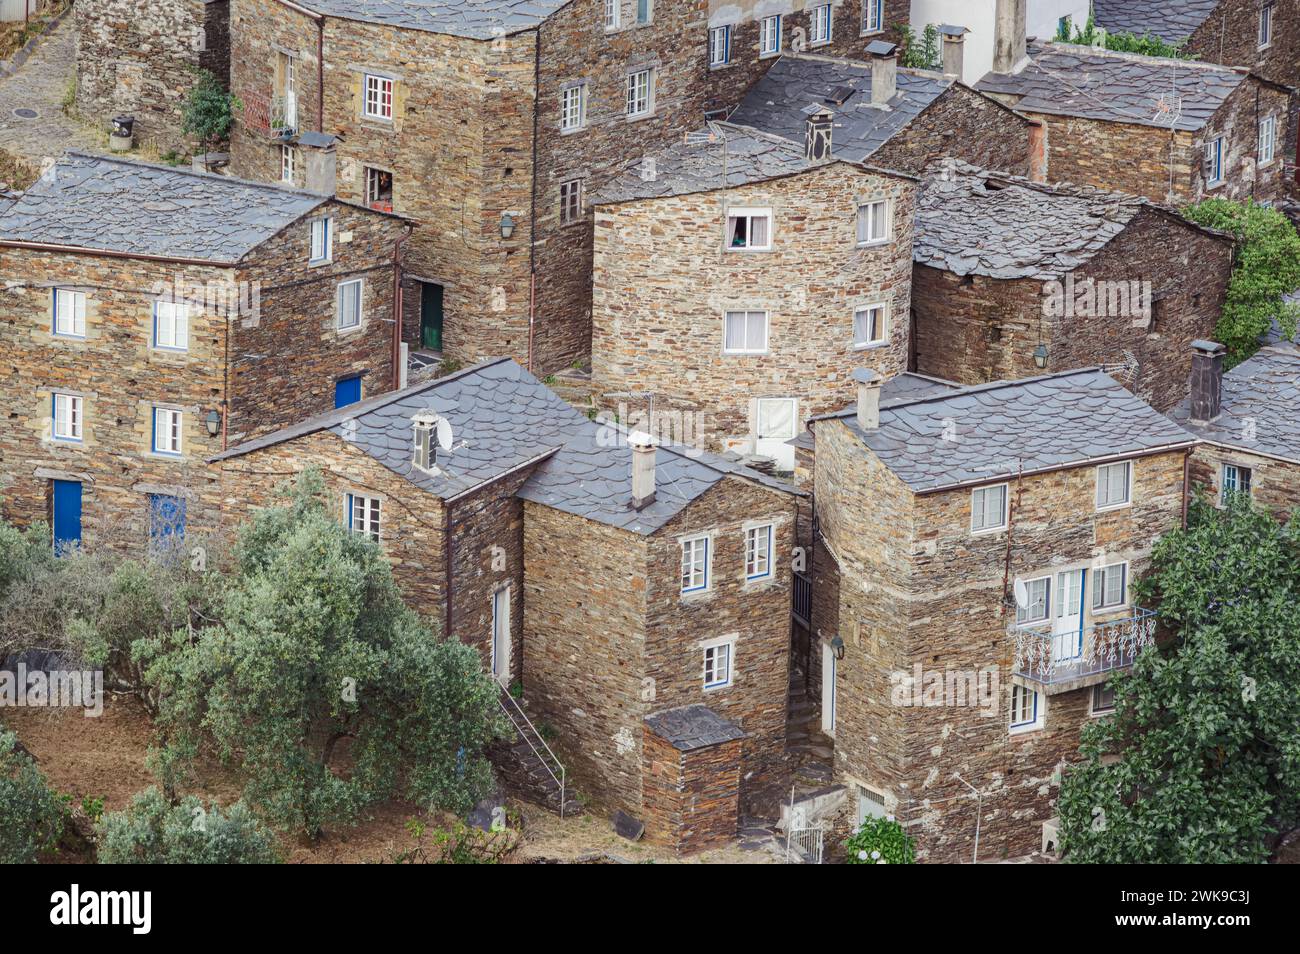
(1067, 616)
(501, 635)
(776, 424)
(828, 690)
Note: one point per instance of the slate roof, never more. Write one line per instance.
(901, 388)
(118, 205)
(693, 727)
(995, 431)
(778, 103)
(1171, 20)
(1068, 80)
(477, 19)
(1264, 390)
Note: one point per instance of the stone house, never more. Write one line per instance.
(615, 579)
(979, 19)
(136, 58)
(1246, 421)
(151, 315)
(1013, 277)
(980, 543)
(737, 311)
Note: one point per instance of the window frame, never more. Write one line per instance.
(727, 643)
(814, 16)
(180, 319)
(1223, 481)
(725, 31)
(580, 122)
(1269, 122)
(325, 225)
(1037, 712)
(872, 219)
(288, 163)
(1100, 576)
(649, 8)
(1264, 30)
(1218, 146)
(749, 213)
(78, 299)
(613, 15)
(869, 343)
(870, 7)
(571, 212)
(1128, 486)
(690, 543)
(1047, 580)
(751, 564)
(370, 516)
(75, 417)
(170, 417)
(630, 89)
(1093, 708)
(385, 90)
(1006, 502)
(747, 313)
(763, 35)
(338, 304)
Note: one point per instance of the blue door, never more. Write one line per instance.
(347, 391)
(166, 520)
(67, 514)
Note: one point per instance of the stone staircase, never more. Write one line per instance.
(810, 751)
(526, 765)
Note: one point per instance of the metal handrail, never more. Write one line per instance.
(559, 779)
(1106, 646)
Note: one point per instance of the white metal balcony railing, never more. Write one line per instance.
(1054, 658)
(284, 113)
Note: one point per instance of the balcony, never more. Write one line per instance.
(1061, 662)
(284, 114)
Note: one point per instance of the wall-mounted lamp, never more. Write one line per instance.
(213, 422)
(1040, 357)
(837, 647)
(507, 225)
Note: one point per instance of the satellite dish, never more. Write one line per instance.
(1022, 594)
(444, 433)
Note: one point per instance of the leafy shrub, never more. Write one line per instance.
(208, 111)
(153, 831)
(31, 814)
(881, 841)
(1148, 44)
(460, 845)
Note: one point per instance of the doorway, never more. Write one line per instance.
(1067, 619)
(430, 316)
(501, 635)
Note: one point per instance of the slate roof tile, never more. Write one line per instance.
(1171, 20)
(693, 727)
(477, 19)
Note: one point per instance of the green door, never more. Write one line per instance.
(431, 316)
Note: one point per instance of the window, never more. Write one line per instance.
(1265, 25)
(1267, 140)
(288, 163)
(1235, 480)
(1109, 586)
(872, 16)
(777, 418)
(820, 24)
(744, 332)
(988, 508)
(717, 665)
(349, 304)
(570, 201)
(1103, 699)
(322, 239)
(644, 11)
(379, 189)
(758, 552)
(167, 431)
(695, 564)
(640, 92)
(1024, 708)
(171, 325)
(612, 14)
(573, 107)
(769, 36)
(749, 229)
(1214, 162)
(1113, 485)
(871, 804)
(720, 46)
(379, 97)
(363, 516)
(873, 222)
(869, 326)
(67, 417)
(69, 313)
(1039, 601)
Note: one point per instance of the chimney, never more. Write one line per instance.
(884, 71)
(321, 163)
(954, 49)
(643, 469)
(817, 147)
(1009, 36)
(1207, 380)
(869, 383)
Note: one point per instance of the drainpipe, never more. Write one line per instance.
(397, 308)
(1187, 471)
(532, 212)
(446, 546)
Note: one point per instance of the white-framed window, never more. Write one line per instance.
(873, 16)
(873, 222)
(1103, 699)
(1025, 709)
(1265, 25)
(870, 325)
(573, 107)
(322, 239)
(1214, 151)
(819, 24)
(720, 46)
(644, 11)
(379, 97)
(1267, 140)
(613, 14)
(349, 303)
(744, 332)
(640, 92)
(749, 230)
(570, 201)
(288, 163)
(988, 508)
(1039, 603)
(171, 325)
(695, 564)
(362, 514)
(769, 36)
(1234, 479)
(718, 663)
(68, 416)
(168, 427)
(68, 313)
(1114, 485)
(758, 552)
(1110, 586)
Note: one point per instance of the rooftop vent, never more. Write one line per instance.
(431, 432)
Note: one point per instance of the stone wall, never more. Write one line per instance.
(691, 798)
(1275, 484)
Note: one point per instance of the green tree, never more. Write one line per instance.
(1267, 269)
(1147, 44)
(922, 55)
(31, 813)
(315, 666)
(154, 831)
(208, 111)
(1206, 730)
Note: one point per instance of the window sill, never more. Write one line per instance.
(1026, 729)
(744, 354)
(870, 32)
(74, 339)
(351, 329)
(68, 441)
(318, 262)
(817, 44)
(875, 243)
(759, 582)
(990, 532)
(1113, 507)
(164, 349)
(1099, 713)
(719, 687)
(574, 130)
(742, 249)
(694, 596)
(871, 346)
(768, 56)
(720, 66)
(641, 116)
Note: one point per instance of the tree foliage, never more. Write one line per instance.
(1148, 44)
(208, 111)
(924, 54)
(1267, 269)
(31, 813)
(152, 830)
(1207, 729)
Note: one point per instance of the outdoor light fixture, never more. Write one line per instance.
(507, 225)
(213, 422)
(1040, 356)
(837, 647)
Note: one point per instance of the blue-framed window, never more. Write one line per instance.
(695, 564)
(362, 515)
(758, 552)
(68, 313)
(873, 16)
(644, 11)
(1024, 707)
(769, 35)
(168, 431)
(67, 413)
(166, 521)
(171, 325)
(720, 46)
(819, 24)
(718, 664)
